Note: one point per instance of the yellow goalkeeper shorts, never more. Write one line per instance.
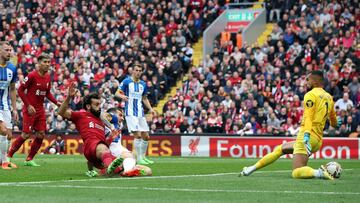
(299, 146)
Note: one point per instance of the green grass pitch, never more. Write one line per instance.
(176, 179)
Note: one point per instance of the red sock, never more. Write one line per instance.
(118, 170)
(15, 146)
(107, 158)
(35, 146)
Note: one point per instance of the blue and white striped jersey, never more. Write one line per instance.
(8, 75)
(134, 91)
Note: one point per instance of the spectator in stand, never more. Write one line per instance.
(344, 103)
(272, 76)
(57, 146)
(101, 39)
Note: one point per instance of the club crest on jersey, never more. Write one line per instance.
(141, 88)
(309, 103)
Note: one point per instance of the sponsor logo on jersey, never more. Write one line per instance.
(40, 93)
(4, 84)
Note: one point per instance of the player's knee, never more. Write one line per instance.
(136, 135)
(127, 154)
(3, 129)
(278, 149)
(104, 151)
(40, 134)
(9, 133)
(25, 135)
(145, 136)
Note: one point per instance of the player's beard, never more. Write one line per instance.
(95, 112)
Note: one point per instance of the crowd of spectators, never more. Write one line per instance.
(259, 89)
(235, 90)
(94, 43)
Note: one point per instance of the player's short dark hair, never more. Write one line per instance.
(113, 110)
(319, 74)
(137, 64)
(87, 99)
(44, 56)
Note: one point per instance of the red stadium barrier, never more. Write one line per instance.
(215, 146)
(158, 145)
(255, 147)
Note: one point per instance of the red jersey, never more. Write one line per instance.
(37, 87)
(90, 127)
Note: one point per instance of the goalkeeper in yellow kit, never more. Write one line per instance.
(318, 108)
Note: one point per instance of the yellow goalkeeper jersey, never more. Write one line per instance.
(318, 108)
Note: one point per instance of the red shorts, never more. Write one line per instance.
(36, 122)
(90, 153)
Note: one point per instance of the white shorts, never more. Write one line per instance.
(136, 124)
(5, 116)
(117, 149)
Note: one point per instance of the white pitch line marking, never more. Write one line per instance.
(137, 178)
(190, 189)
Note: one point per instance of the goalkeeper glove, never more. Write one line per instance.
(307, 143)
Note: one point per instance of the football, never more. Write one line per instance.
(52, 151)
(334, 169)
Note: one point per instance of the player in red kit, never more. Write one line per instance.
(32, 91)
(92, 131)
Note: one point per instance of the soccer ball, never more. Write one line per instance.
(334, 169)
(52, 151)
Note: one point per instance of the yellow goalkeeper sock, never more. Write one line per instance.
(269, 158)
(303, 172)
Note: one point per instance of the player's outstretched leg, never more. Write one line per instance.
(138, 170)
(113, 165)
(307, 172)
(110, 162)
(286, 148)
(302, 171)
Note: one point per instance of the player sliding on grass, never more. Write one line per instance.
(113, 119)
(318, 108)
(92, 131)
